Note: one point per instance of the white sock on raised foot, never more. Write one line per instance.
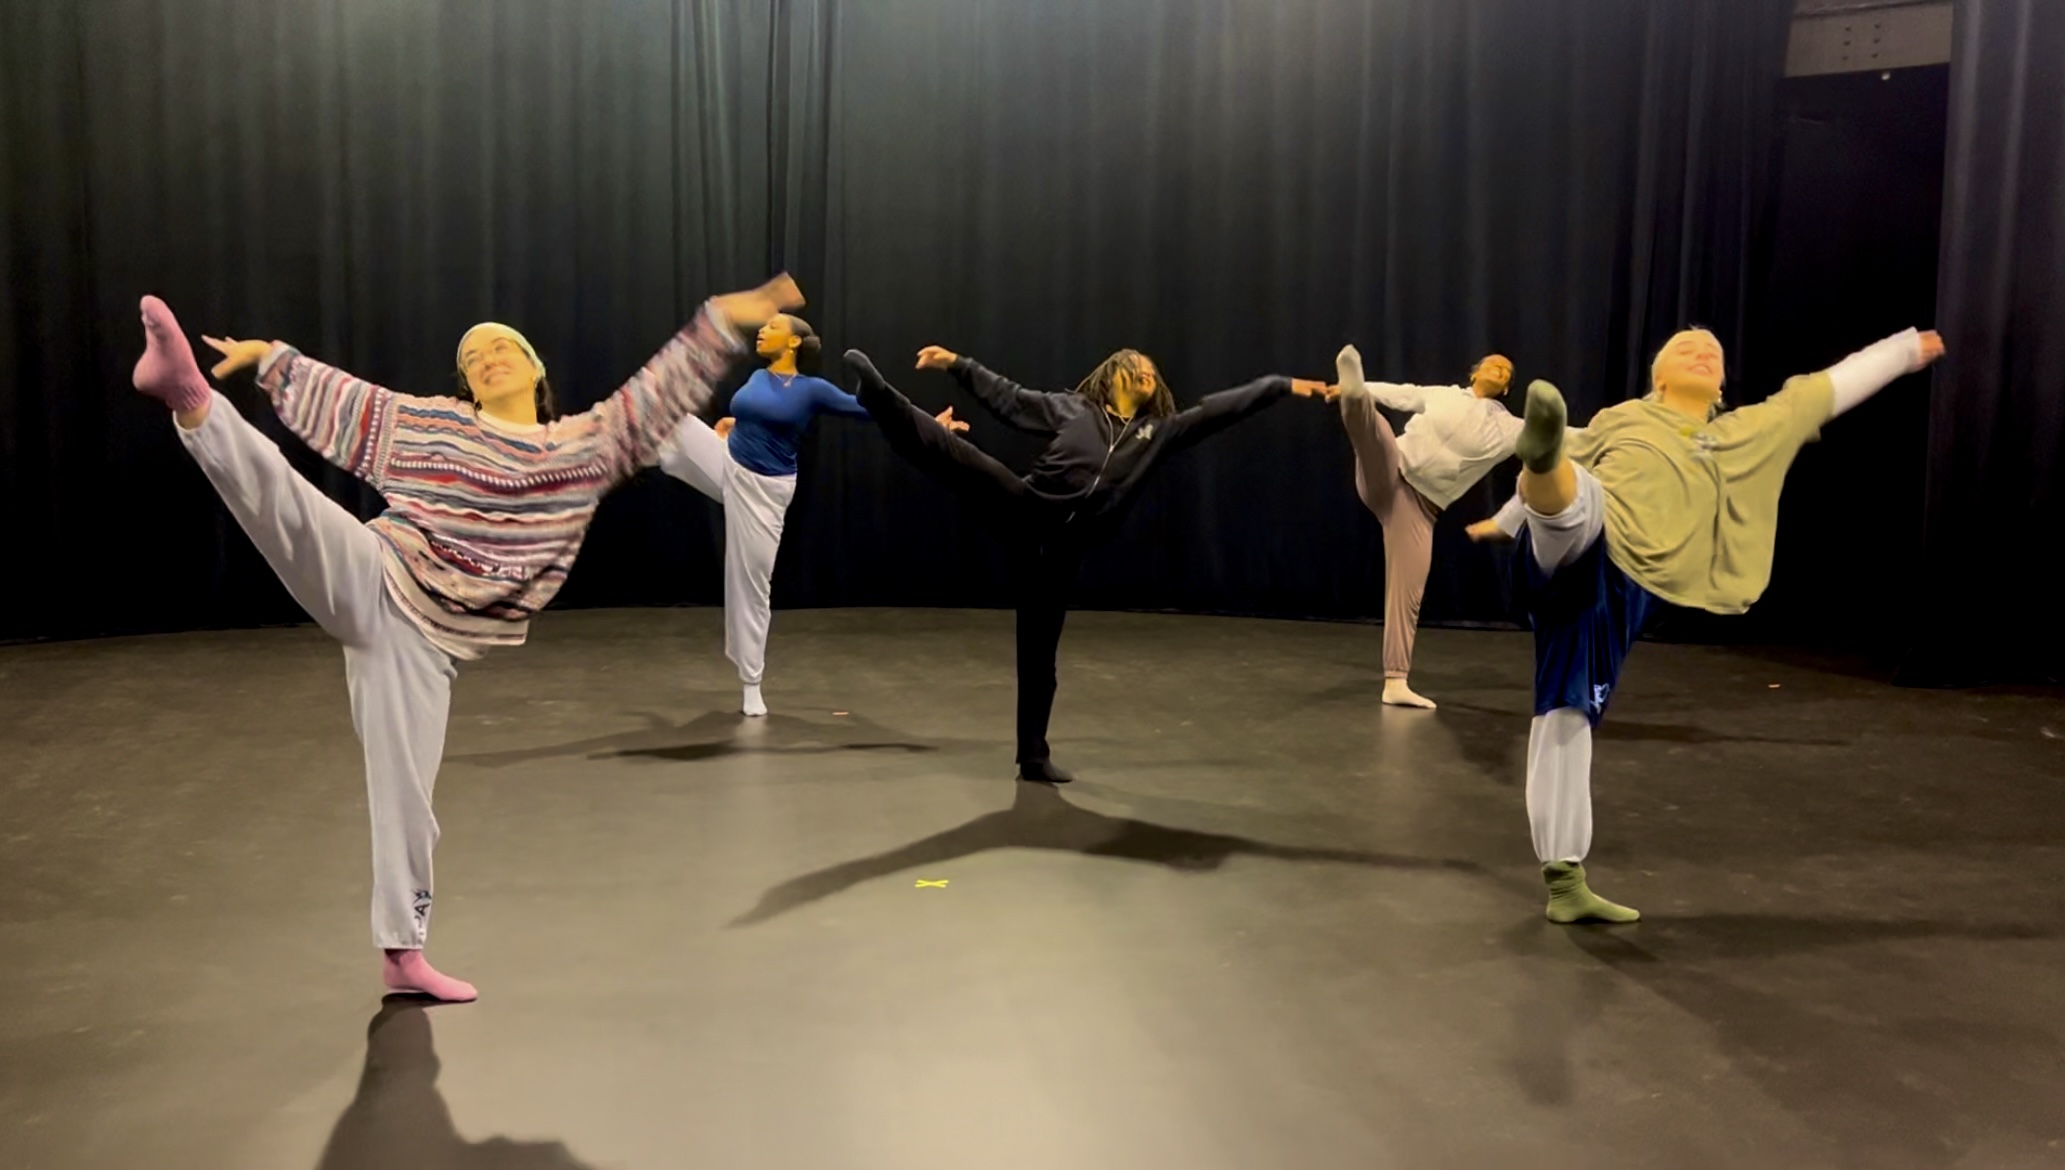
(1397, 694)
(753, 704)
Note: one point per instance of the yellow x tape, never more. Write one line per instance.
(938, 885)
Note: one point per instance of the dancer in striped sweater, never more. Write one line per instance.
(489, 497)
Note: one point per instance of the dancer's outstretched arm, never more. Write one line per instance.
(1872, 368)
(1804, 404)
(1504, 524)
(637, 422)
(1216, 412)
(1036, 411)
(1399, 396)
(348, 421)
(1402, 397)
(826, 398)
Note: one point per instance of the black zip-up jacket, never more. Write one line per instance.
(1096, 460)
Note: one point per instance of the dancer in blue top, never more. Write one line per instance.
(747, 462)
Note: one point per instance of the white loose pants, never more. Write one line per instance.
(1559, 744)
(400, 684)
(755, 507)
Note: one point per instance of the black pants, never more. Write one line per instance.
(1045, 554)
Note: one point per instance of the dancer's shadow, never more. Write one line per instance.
(400, 1119)
(1633, 731)
(716, 735)
(1040, 818)
(1492, 741)
(1643, 731)
(1822, 1053)
(1703, 938)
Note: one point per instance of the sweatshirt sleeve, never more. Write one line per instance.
(636, 423)
(1218, 411)
(346, 420)
(1511, 516)
(1872, 368)
(1399, 396)
(1037, 411)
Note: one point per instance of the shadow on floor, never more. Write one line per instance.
(400, 1119)
(718, 734)
(1491, 741)
(1635, 730)
(1041, 818)
(1887, 1079)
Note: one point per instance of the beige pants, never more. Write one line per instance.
(1408, 521)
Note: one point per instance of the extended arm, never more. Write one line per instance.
(1037, 411)
(1400, 396)
(1872, 368)
(826, 398)
(346, 420)
(1218, 411)
(637, 422)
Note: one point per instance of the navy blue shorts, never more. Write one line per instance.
(1586, 618)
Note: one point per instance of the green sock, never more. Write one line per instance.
(1571, 900)
(1540, 446)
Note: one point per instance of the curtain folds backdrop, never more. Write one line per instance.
(1997, 425)
(1236, 187)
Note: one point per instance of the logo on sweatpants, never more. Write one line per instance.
(422, 907)
(1599, 693)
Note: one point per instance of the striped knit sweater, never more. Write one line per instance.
(484, 517)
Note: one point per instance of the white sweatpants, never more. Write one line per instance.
(1559, 744)
(400, 684)
(755, 507)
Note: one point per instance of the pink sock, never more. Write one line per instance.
(410, 972)
(167, 371)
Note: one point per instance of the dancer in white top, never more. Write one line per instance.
(1456, 434)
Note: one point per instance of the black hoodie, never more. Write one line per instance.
(1095, 460)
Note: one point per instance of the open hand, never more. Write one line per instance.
(936, 357)
(1932, 348)
(1485, 530)
(753, 308)
(237, 355)
(946, 419)
(724, 425)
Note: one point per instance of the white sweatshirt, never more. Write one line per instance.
(1452, 439)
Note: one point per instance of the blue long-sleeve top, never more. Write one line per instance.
(771, 412)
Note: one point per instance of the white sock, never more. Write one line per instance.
(754, 704)
(1397, 694)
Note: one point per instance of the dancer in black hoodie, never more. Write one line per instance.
(1105, 438)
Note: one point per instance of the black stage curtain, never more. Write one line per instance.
(1848, 256)
(1997, 425)
(364, 179)
(1236, 187)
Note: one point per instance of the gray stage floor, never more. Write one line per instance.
(1274, 926)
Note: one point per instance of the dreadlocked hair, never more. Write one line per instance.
(1101, 386)
(809, 350)
(542, 397)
